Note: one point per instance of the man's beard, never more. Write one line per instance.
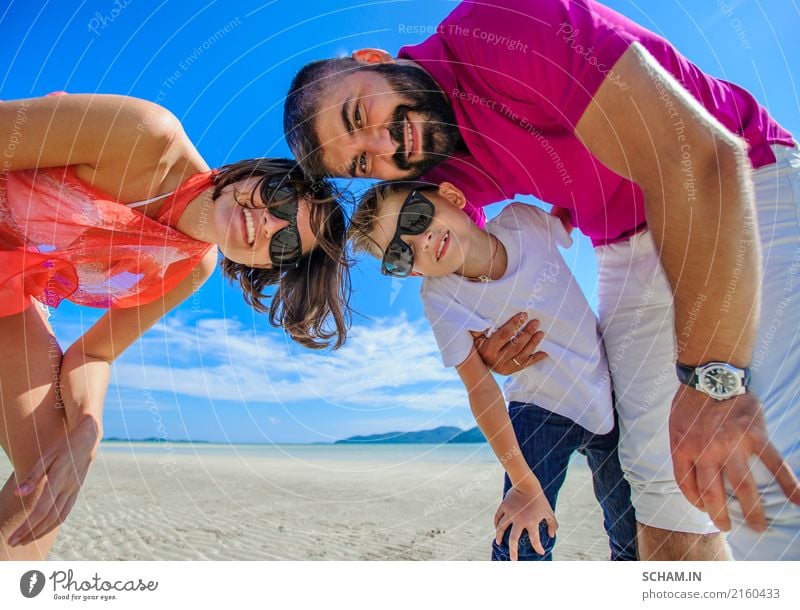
(421, 95)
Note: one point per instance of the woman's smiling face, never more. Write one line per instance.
(244, 225)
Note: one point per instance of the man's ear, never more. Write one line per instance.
(453, 194)
(373, 56)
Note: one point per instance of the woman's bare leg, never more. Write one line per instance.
(30, 417)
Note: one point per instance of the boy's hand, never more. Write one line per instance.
(512, 347)
(524, 511)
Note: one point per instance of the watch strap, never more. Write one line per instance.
(686, 374)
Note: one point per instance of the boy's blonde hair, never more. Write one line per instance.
(362, 222)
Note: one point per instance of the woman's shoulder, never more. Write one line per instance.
(161, 158)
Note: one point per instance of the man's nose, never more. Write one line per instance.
(379, 142)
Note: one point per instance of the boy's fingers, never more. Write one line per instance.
(536, 542)
(552, 526)
(498, 515)
(500, 530)
(513, 542)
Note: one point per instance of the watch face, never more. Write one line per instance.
(719, 381)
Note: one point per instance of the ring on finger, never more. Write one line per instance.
(517, 362)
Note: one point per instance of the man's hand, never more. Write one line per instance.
(714, 439)
(512, 347)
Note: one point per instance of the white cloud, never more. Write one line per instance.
(387, 363)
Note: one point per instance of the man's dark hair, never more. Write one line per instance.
(318, 287)
(302, 106)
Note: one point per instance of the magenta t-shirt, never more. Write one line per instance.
(519, 76)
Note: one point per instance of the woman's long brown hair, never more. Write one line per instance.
(311, 299)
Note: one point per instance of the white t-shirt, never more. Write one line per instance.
(574, 380)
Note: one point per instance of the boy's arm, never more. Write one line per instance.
(489, 408)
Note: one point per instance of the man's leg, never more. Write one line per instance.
(637, 323)
(656, 544)
(547, 441)
(775, 366)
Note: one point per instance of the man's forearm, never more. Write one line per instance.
(694, 175)
(705, 227)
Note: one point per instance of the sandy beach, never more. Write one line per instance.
(172, 502)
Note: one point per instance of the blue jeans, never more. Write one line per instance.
(547, 441)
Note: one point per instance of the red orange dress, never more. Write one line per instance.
(62, 239)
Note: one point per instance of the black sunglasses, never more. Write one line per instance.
(416, 215)
(281, 199)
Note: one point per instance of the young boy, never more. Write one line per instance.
(477, 279)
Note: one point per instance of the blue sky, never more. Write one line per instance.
(212, 369)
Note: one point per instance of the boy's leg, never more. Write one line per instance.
(613, 492)
(547, 441)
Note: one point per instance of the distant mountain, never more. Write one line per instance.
(440, 435)
(473, 435)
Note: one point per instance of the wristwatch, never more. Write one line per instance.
(719, 380)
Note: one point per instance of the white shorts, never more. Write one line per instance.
(637, 322)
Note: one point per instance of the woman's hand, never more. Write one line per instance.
(63, 467)
(524, 511)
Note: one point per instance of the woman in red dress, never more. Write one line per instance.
(105, 202)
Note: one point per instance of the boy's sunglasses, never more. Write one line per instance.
(416, 215)
(280, 199)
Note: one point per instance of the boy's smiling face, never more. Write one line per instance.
(443, 247)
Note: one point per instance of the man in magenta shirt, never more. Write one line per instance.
(656, 163)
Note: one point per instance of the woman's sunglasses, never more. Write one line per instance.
(416, 215)
(281, 200)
